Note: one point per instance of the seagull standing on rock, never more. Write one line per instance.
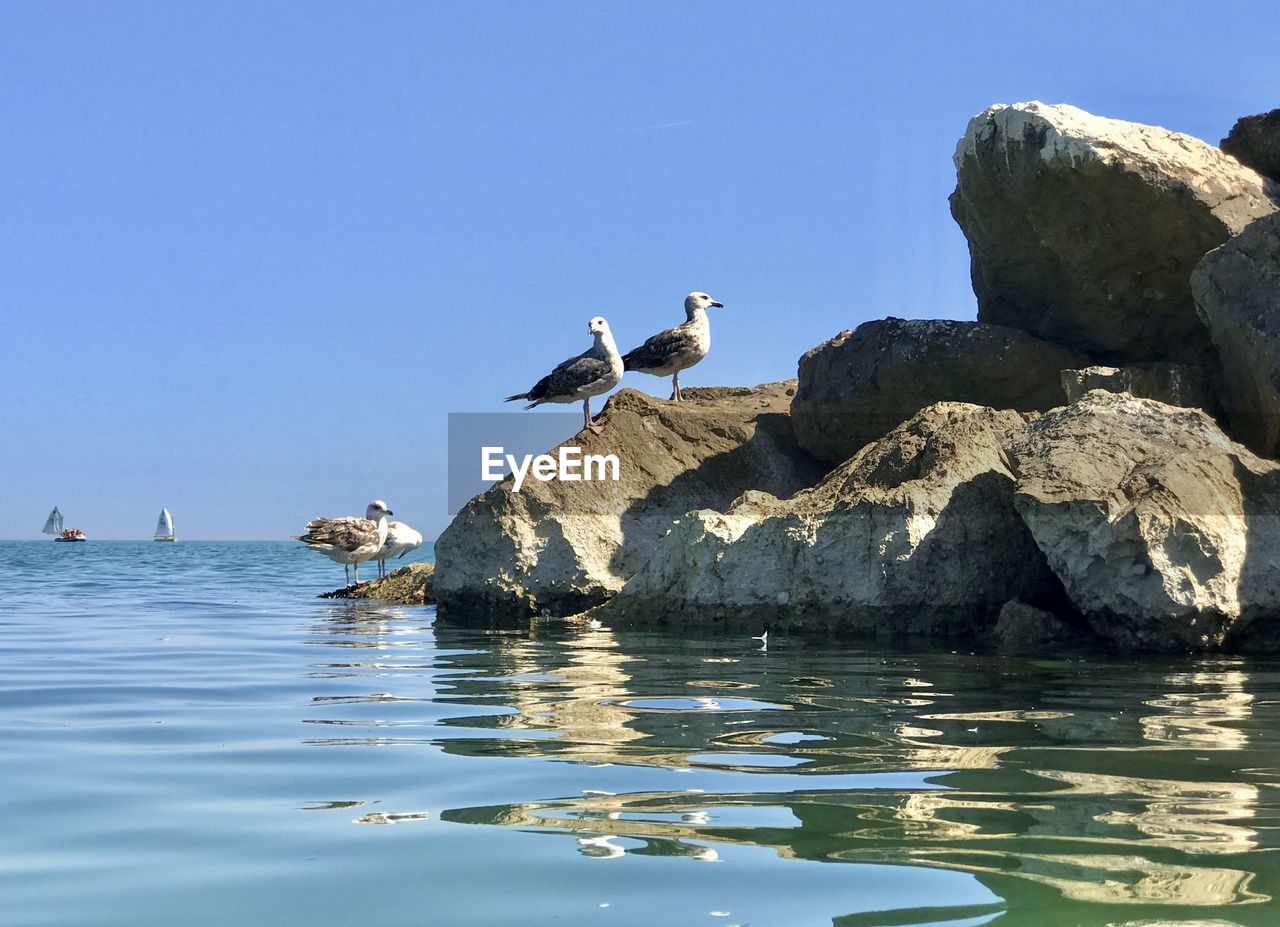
(676, 349)
(349, 541)
(400, 540)
(579, 378)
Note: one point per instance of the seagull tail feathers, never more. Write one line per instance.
(516, 396)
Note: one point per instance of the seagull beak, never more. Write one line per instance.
(716, 305)
(389, 512)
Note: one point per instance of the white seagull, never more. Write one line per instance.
(400, 540)
(676, 349)
(349, 541)
(589, 374)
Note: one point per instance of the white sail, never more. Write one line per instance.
(53, 525)
(164, 527)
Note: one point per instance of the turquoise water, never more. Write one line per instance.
(188, 736)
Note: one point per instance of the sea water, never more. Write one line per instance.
(189, 736)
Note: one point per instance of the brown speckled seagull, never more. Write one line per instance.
(349, 541)
(679, 348)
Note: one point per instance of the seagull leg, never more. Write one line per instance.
(675, 386)
(357, 566)
(586, 418)
(346, 570)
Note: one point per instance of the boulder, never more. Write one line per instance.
(916, 535)
(1237, 290)
(1084, 230)
(1173, 384)
(561, 547)
(1161, 529)
(1025, 630)
(862, 384)
(1255, 142)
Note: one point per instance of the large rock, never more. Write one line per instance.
(1162, 530)
(1025, 630)
(1237, 289)
(861, 384)
(917, 534)
(1255, 142)
(564, 546)
(1174, 384)
(1084, 230)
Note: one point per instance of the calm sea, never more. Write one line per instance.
(188, 736)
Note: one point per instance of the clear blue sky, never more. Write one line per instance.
(251, 255)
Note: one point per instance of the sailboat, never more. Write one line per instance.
(54, 525)
(164, 527)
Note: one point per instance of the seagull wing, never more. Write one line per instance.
(570, 378)
(343, 533)
(659, 351)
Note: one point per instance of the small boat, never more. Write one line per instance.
(164, 527)
(53, 525)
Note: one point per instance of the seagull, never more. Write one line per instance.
(400, 540)
(589, 374)
(762, 638)
(669, 352)
(349, 541)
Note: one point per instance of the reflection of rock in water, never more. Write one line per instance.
(1194, 817)
(1102, 879)
(573, 689)
(1095, 784)
(1201, 719)
(974, 833)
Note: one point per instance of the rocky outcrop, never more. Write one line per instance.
(1237, 290)
(1161, 529)
(861, 384)
(1255, 142)
(993, 483)
(409, 585)
(1173, 384)
(917, 534)
(1084, 230)
(565, 546)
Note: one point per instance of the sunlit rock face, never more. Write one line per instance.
(1162, 530)
(564, 546)
(917, 534)
(1237, 290)
(860, 385)
(1084, 230)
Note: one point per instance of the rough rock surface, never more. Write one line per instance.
(1174, 384)
(917, 534)
(1237, 289)
(409, 585)
(562, 547)
(1084, 230)
(1255, 142)
(861, 384)
(1029, 631)
(1162, 530)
